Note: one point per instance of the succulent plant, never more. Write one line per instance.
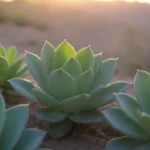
(133, 117)
(11, 66)
(12, 132)
(73, 85)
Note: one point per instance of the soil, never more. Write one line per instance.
(85, 137)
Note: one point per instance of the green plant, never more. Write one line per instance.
(12, 132)
(11, 66)
(72, 86)
(133, 117)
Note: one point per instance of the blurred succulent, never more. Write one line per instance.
(133, 117)
(11, 66)
(72, 86)
(12, 132)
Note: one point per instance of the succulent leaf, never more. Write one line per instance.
(106, 73)
(87, 117)
(13, 136)
(52, 117)
(129, 105)
(2, 113)
(119, 120)
(12, 70)
(30, 139)
(35, 67)
(22, 71)
(11, 55)
(63, 53)
(61, 129)
(44, 99)
(85, 57)
(48, 57)
(73, 67)
(12, 129)
(75, 104)
(61, 84)
(103, 96)
(84, 81)
(10, 66)
(4, 65)
(142, 91)
(24, 87)
(127, 143)
(98, 63)
(144, 121)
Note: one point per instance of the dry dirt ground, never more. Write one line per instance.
(98, 27)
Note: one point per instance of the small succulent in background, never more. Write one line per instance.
(133, 117)
(73, 85)
(11, 66)
(12, 132)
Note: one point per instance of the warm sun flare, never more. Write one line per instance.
(85, 1)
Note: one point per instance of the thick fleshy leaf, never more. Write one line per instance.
(47, 57)
(63, 53)
(119, 120)
(44, 99)
(61, 129)
(12, 70)
(142, 90)
(104, 96)
(52, 117)
(61, 84)
(11, 55)
(97, 63)
(127, 143)
(129, 105)
(30, 139)
(4, 65)
(16, 119)
(73, 67)
(87, 117)
(144, 146)
(75, 104)
(144, 121)
(35, 67)
(106, 73)
(85, 57)
(2, 51)
(22, 71)
(24, 87)
(84, 81)
(2, 114)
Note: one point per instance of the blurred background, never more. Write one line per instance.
(116, 28)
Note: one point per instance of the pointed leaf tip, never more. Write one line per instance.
(64, 51)
(85, 57)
